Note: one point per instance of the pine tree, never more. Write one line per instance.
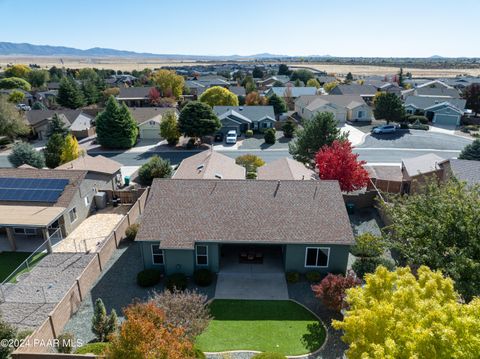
(278, 103)
(53, 150)
(471, 151)
(103, 325)
(90, 92)
(69, 94)
(57, 126)
(116, 127)
(70, 149)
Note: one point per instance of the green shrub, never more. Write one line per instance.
(417, 125)
(270, 136)
(4, 141)
(203, 277)
(269, 356)
(251, 175)
(176, 281)
(292, 277)
(199, 354)
(414, 118)
(248, 133)
(131, 232)
(368, 245)
(94, 348)
(148, 277)
(65, 343)
(404, 126)
(313, 277)
(363, 266)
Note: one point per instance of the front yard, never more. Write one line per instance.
(273, 326)
(9, 261)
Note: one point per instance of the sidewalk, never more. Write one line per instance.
(355, 136)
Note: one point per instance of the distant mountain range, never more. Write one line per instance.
(25, 49)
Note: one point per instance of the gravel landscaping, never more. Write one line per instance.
(258, 142)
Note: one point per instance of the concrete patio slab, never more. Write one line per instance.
(251, 286)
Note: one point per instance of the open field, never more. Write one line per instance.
(129, 64)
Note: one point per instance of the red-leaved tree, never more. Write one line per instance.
(154, 96)
(338, 162)
(331, 290)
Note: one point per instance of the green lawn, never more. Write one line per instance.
(9, 261)
(279, 326)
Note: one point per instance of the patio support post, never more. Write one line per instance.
(46, 238)
(11, 238)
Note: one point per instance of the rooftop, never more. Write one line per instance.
(285, 169)
(209, 165)
(422, 164)
(99, 164)
(182, 212)
(466, 170)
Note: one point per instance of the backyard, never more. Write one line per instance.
(9, 261)
(259, 325)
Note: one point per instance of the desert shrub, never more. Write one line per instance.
(131, 232)
(269, 355)
(270, 136)
(148, 277)
(313, 277)
(366, 265)
(187, 309)
(331, 290)
(176, 281)
(203, 277)
(93, 348)
(65, 343)
(251, 175)
(292, 277)
(249, 133)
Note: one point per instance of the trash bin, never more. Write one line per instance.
(127, 180)
(350, 208)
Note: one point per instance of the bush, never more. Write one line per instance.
(93, 348)
(199, 354)
(292, 277)
(65, 343)
(414, 118)
(191, 144)
(368, 245)
(203, 277)
(148, 277)
(270, 136)
(269, 355)
(251, 175)
(366, 265)
(313, 277)
(156, 167)
(404, 126)
(131, 232)
(249, 133)
(331, 290)
(417, 125)
(176, 281)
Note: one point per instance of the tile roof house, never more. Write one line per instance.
(148, 120)
(463, 170)
(285, 169)
(243, 118)
(209, 165)
(344, 107)
(189, 224)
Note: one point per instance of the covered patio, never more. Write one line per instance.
(251, 258)
(27, 227)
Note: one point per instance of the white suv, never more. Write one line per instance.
(231, 137)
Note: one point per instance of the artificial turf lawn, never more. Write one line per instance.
(263, 325)
(9, 261)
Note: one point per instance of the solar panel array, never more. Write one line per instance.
(31, 189)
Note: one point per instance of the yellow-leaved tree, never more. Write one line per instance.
(402, 315)
(219, 96)
(70, 149)
(169, 83)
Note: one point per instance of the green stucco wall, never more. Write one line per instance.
(295, 258)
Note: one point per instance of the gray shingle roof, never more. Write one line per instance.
(37, 116)
(254, 113)
(182, 212)
(465, 170)
(422, 102)
(127, 93)
(354, 89)
(143, 114)
(295, 91)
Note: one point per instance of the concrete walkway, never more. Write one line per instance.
(252, 286)
(355, 136)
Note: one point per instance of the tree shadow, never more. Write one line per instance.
(315, 336)
(390, 136)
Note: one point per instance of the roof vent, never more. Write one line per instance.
(240, 108)
(200, 167)
(218, 175)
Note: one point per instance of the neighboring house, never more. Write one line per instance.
(367, 92)
(285, 169)
(390, 87)
(461, 82)
(418, 170)
(463, 170)
(439, 110)
(120, 80)
(432, 89)
(135, 96)
(209, 165)
(324, 79)
(198, 86)
(387, 179)
(294, 91)
(82, 126)
(270, 81)
(103, 171)
(237, 90)
(148, 120)
(39, 120)
(193, 224)
(243, 118)
(444, 114)
(43, 204)
(344, 107)
(28, 99)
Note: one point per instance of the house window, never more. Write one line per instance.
(157, 255)
(410, 112)
(317, 257)
(25, 231)
(202, 255)
(72, 214)
(264, 125)
(360, 114)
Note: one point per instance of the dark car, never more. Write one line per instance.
(219, 137)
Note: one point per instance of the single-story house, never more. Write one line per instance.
(417, 171)
(195, 224)
(463, 170)
(243, 118)
(237, 90)
(148, 120)
(28, 97)
(418, 104)
(135, 96)
(209, 165)
(39, 120)
(291, 91)
(270, 81)
(285, 169)
(197, 86)
(344, 107)
(324, 79)
(367, 92)
(105, 172)
(432, 89)
(82, 126)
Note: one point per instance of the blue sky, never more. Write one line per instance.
(223, 27)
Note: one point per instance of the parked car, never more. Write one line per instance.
(384, 129)
(218, 137)
(23, 107)
(231, 137)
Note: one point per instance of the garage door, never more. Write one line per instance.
(150, 133)
(442, 119)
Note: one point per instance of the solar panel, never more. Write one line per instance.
(31, 189)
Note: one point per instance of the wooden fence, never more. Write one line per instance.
(64, 310)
